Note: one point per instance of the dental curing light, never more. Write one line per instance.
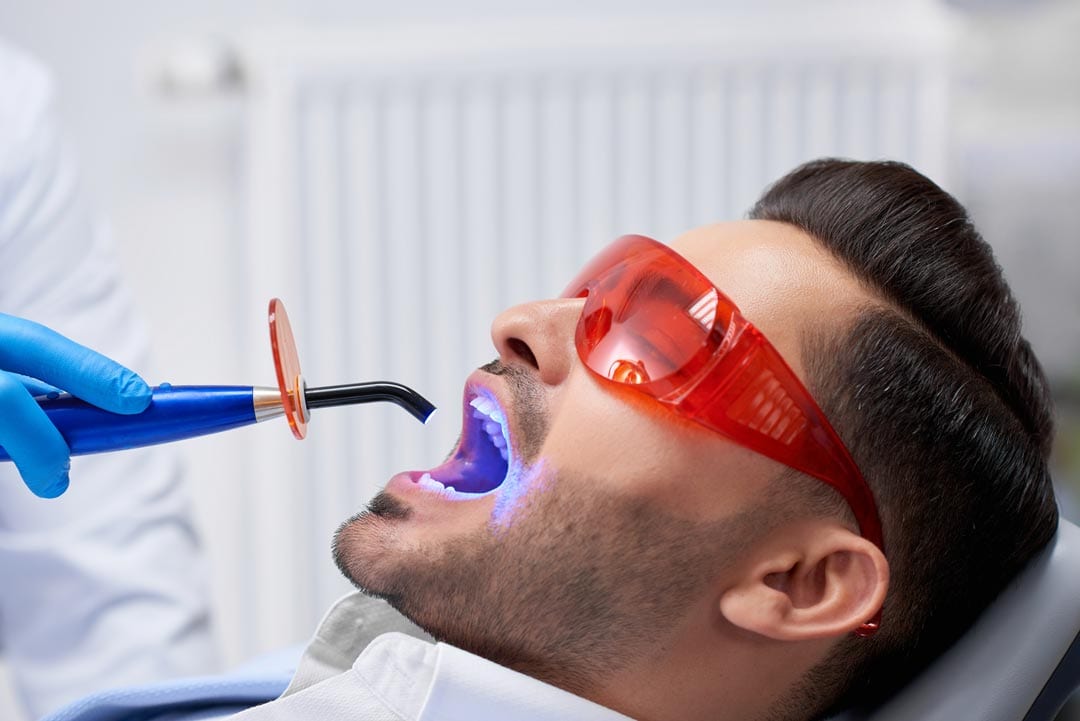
(178, 412)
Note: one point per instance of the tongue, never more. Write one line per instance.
(481, 471)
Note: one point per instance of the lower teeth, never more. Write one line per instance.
(426, 481)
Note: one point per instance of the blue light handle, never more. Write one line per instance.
(174, 413)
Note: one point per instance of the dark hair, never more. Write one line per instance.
(940, 400)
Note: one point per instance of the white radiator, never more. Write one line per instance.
(404, 184)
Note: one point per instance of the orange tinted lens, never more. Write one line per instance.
(649, 316)
(287, 367)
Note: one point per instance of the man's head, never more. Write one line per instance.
(654, 565)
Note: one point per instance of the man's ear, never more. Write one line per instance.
(814, 581)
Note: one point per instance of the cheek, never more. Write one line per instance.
(636, 449)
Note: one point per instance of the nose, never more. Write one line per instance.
(539, 334)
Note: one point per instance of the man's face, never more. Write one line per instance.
(617, 520)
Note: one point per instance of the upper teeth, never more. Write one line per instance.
(487, 410)
(488, 407)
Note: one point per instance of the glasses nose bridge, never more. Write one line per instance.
(546, 329)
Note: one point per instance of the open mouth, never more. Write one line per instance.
(480, 463)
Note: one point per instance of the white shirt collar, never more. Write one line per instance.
(397, 663)
(438, 682)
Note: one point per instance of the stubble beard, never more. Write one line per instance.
(579, 586)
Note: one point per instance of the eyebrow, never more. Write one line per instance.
(702, 308)
(658, 285)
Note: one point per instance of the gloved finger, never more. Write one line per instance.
(35, 387)
(34, 350)
(39, 451)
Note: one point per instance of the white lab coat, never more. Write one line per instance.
(104, 586)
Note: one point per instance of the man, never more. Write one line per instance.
(648, 516)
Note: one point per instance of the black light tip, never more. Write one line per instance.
(418, 406)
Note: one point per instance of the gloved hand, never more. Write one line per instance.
(30, 354)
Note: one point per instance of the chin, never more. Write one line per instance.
(366, 548)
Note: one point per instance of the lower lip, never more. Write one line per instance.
(405, 482)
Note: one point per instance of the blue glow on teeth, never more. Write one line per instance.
(495, 425)
(520, 479)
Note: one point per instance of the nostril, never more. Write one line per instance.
(521, 348)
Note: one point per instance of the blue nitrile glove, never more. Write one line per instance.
(31, 353)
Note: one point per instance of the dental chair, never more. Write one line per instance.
(1021, 659)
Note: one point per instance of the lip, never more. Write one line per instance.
(478, 384)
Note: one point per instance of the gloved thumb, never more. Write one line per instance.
(32, 441)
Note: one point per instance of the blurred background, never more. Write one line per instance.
(399, 172)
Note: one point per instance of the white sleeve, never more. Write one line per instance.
(106, 585)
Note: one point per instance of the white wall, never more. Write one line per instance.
(166, 171)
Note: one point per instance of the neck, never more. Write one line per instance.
(710, 671)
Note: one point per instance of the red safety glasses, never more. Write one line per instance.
(654, 323)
